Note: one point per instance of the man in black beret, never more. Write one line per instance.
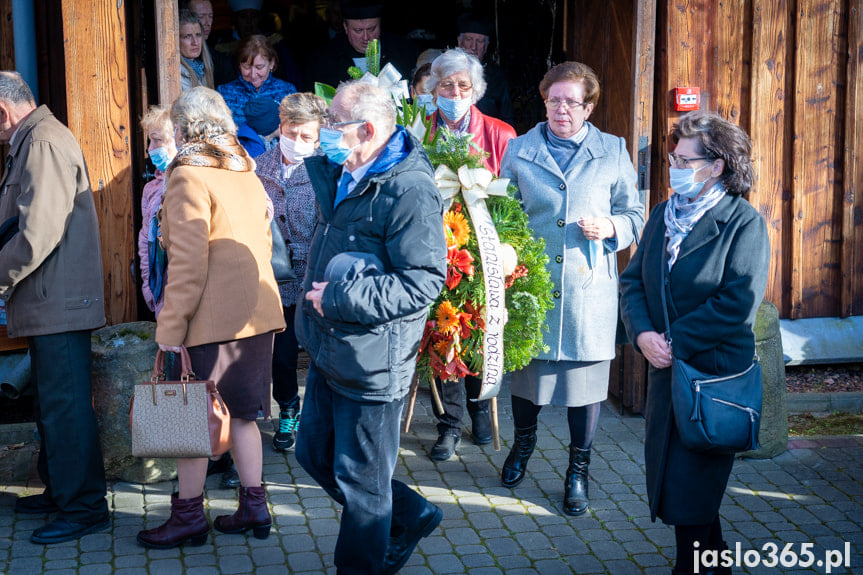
(474, 37)
(362, 23)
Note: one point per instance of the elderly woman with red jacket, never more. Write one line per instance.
(457, 84)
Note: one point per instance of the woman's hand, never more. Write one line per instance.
(316, 294)
(654, 348)
(171, 348)
(596, 228)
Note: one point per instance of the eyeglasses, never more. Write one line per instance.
(676, 160)
(554, 104)
(336, 125)
(448, 86)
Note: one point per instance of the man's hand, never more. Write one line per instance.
(654, 348)
(316, 294)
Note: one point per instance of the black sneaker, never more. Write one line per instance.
(289, 422)
(447, 443)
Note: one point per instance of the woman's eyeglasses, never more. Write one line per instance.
(676, 160)
(554, 104)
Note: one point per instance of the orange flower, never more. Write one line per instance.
(442, 347)
(447, 318)
(456, 227)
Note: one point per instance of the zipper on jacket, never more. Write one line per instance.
(696, 405)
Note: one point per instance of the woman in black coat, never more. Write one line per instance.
(717, 256)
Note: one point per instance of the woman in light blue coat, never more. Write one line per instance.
(577, 186)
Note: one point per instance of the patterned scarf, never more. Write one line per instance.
(223, 151)
(197, 65)
(681, 215)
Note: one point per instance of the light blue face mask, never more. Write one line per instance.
(682, 181)
(331, 144)
(160, 158)
(426, 100)
(454, 110)
(595, 253)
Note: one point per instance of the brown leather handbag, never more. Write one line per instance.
(185, 418)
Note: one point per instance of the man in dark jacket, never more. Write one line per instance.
(377, 259)
(362, 24)
(51, 281)
(474, 35)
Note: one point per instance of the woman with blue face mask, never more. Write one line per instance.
(708, 249)
(161, 148)
(457, 83)
(283, 172)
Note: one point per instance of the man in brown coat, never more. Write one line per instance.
(51, 281)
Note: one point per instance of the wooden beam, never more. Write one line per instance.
(771, 138)
(852, 234)
(7, 37)
(816, 187)
(168, 57)
(98, 113)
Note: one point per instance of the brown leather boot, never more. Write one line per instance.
(187, 523)
(252, 514)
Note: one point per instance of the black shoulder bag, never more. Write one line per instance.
(719, 414)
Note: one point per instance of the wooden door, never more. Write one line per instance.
(617, 39)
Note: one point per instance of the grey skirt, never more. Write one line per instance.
(242, 370)
(566, 383)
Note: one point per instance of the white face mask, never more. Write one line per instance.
(294, 151)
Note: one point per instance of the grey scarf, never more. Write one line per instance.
(681, 215)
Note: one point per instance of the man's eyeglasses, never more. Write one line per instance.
(448, 86)
(336, 125)
(554, 104)
(676, 160)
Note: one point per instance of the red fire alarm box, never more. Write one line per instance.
(687, 99)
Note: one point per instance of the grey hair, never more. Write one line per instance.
(302, 107)
(457, 60)
(14, 90)
(200, 113)
(371, 104)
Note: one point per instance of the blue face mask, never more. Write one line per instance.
(331, 144)
(160, 158)
(426, 100)
(682, 181)
(453, 110)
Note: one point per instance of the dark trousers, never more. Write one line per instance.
(70, 456)
(285, 351)
(350, 448)
(452, 396)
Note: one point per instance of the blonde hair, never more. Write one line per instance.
(200, 113)
(189, 17)
(302, 107)
(158, 118)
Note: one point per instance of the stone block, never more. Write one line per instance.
(774, 412)
(123, 356)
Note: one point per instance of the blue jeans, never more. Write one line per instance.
(350, 448)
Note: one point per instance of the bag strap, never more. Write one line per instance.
(159, 366)
(666, 284)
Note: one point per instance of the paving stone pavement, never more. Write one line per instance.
(812, 494)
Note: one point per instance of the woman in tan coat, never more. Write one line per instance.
(221, 302)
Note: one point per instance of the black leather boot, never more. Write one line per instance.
(515, 465)
(575, 486)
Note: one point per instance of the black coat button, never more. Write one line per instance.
(558, 259)
(561, 223)
(556, 294)
(562, 186)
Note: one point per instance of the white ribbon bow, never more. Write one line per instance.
(389, 80)
(475, 184)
